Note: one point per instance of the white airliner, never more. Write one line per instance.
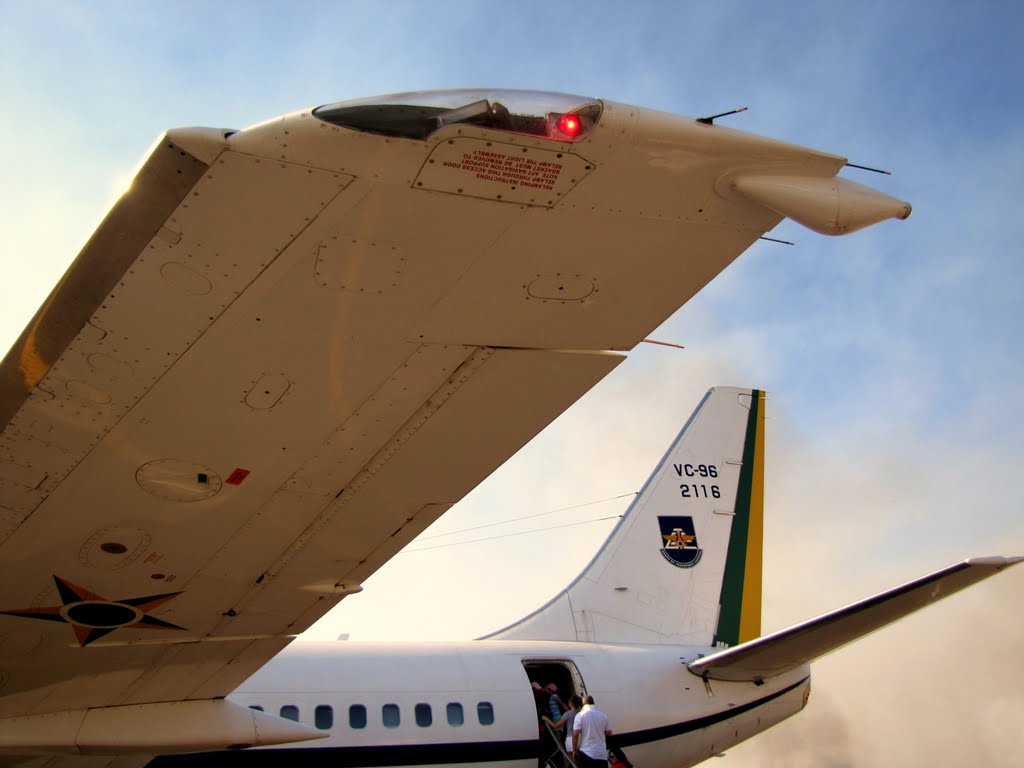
(288, 349)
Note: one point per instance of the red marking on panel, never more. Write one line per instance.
(237, 477)
(511, 169)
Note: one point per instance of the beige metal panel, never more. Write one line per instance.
(434, 240)
(73, 761)
(183, 519)
(162, 182)
(578, 280)
(153, 318)
(82, 684)
(303, 139)
(250, 552)
(639, 234)
(510, 397)
(226, 232)
(199, 417)
(103, 675)
(298, 609)
(250, 210)
(501, 170)
(202, 670)
(461, 429)
(60, 676)
(380, 416)
(125, 674)
(239, 668)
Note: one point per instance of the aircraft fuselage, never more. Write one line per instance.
(472, 702)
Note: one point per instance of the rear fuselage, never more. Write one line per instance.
(472, 702)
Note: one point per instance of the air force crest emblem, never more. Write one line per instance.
(679, 541)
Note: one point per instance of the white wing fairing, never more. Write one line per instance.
(289, 349)
(179, 726)
(829, 206)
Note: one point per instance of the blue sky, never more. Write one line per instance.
(892, 356)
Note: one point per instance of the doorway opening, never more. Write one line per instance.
(565, 678)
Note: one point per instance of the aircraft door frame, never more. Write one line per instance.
(534, 667)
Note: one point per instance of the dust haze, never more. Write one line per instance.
(941, 687)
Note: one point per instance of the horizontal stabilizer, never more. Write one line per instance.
(779, 652)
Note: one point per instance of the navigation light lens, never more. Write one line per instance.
(569, 125)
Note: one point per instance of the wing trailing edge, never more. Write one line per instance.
(787, 649)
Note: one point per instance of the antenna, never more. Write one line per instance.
(711, 118)
(664, 344)
(866, 168)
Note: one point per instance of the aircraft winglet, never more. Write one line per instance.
(781, 651)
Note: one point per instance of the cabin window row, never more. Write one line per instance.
(390, 714)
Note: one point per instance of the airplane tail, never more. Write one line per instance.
(683, 565)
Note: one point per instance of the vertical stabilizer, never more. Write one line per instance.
(683, 566)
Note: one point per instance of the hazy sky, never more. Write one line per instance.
(891, 356)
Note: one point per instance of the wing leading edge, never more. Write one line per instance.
(802, 643)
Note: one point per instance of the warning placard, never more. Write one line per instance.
(513, 170)
(501, 171)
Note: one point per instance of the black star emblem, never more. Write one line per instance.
(92, 616)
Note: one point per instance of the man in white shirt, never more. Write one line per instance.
(590, 732)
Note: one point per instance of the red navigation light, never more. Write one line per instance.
(570, 125)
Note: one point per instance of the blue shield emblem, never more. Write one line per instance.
(679, 541)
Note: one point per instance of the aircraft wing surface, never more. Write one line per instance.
(781, 651)
(288, 349)
(206, 446)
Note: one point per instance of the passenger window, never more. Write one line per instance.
(454, 710)
(323, 717)
(424, 717)
(357, 716)
(257, 707)
(391, 716)
(290, 712)
(485, 713)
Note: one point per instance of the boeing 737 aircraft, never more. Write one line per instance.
(288, 349)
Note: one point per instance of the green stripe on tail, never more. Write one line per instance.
(739, 617)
